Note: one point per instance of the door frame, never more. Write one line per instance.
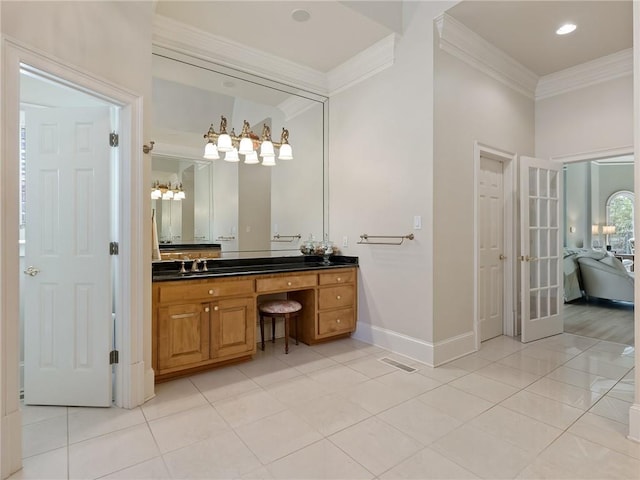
(130, 266)
(508, 161)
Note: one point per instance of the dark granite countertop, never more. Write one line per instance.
(170, 270)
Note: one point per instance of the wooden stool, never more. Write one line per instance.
(286, 309)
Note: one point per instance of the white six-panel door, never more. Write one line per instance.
(541, 261)
(68, 300)
(491, 245)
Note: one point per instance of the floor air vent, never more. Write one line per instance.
(399, 365)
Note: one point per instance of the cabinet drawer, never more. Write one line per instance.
(288, 282)
(336, 297)
(342, 276)
(186, 291)
(336, 321)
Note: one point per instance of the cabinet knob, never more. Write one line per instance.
(211, 292)
(216, 308)
(288, 284)
(338, 320)
(338, 297)
(339, 279)
(206, 309)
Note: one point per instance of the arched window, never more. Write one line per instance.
(620, 216)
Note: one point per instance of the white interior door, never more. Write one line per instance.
(491, 245)
(540, 207)
(68, 299)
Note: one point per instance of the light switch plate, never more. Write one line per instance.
(417, 222)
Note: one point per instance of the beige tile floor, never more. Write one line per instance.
(556, 408)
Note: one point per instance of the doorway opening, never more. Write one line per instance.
(494, 291)
(598, 218)
(68, 215)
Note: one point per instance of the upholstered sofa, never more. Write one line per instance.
(598, 274)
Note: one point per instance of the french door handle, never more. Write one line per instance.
(502, 257)
(31, 271)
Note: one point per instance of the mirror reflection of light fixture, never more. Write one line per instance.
(246, 144)
(160, 191)
(595, 229)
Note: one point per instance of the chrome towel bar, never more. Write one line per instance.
(282, 238)
(364, 239)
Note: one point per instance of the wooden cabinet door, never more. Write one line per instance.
(183, 335)
(233, 327)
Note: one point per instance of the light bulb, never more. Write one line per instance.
(266, 149)
(211, 151)
(269, 161)
(286, 152)
(251, 158)
(246, 146)
(224, 143)
(232, 155)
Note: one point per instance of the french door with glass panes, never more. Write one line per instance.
(541, 285)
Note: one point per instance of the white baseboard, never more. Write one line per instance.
(395, 342)
(424, 352)
(634, 422)
(453, 348)
(149, 384)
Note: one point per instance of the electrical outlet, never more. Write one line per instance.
(345, 241)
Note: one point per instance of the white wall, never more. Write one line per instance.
(380, 176)
(297, 185)
(577, 205)
(590, 119)
(469, 106)
(110, 41)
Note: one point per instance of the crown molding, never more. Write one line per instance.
(294, 106)
(177, 36)
(468, 46)
(600, 70)
(364, 65)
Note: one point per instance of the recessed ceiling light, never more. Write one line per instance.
(566, 28)
(300, 15)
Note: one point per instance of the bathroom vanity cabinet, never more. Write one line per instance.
(209, 319)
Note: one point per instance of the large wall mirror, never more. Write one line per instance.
(243, 207)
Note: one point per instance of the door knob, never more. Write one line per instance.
(32, 271)
(502, 257)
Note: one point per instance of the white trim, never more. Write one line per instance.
(634, 411)
(509, 221)
(182, 38)
(294, 106)
(634, 422)
(132, 266)
(365, 64)
(395, 342)
(600, 70)
(466, 45)
(594, 155)
(178, 36)
(454, 348)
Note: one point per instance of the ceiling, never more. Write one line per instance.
(522, 29)
(335, 31)
(338, 30)
(525, 30)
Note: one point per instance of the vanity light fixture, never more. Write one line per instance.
(246, 144)
(566, 28)
(160, 191)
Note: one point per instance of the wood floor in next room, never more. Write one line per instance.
(601, 319)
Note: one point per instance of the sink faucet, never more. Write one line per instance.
(194, 265)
